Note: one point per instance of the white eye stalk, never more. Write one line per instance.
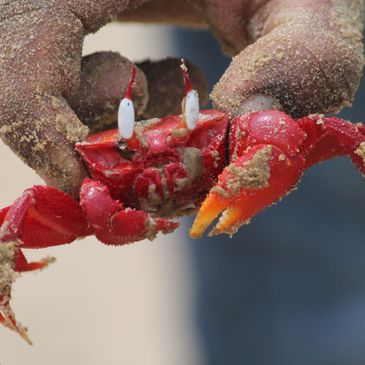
(190, 103)
(191, 109)
(126, 115)
(126, 118)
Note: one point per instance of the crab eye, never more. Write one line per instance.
(126, 118)
(191, 109)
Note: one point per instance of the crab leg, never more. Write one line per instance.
(336, 137)
(16, 263)
(43, 216)
(255, 180)
(112, 223)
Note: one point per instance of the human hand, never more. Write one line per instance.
(304, 56)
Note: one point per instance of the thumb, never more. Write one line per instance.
(307, 58)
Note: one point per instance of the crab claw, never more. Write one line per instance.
(261, 176)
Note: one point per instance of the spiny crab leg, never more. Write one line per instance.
(7, 319)
(43, 216)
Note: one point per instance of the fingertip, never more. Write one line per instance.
(251, 104)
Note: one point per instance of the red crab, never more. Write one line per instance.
(143, 175)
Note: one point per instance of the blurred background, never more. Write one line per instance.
(288, 288)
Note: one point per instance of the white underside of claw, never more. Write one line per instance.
(126, 118)
(191, 109)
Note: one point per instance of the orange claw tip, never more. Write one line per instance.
(230, 220)
(229, 223)
(212, 206)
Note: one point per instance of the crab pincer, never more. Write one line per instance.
(269, 152)
(264, 166)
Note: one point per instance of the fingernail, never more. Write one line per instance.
(256, 103)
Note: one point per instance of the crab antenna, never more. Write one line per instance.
(186, 76)
(128, 93)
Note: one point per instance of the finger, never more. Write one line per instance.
(103, 82)
(45, 138)
(35, 120)
(40, 55)
(308, 58)
(166, 86)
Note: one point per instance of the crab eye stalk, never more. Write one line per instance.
(191, 109)
(126, 118)
(126, 114)
(190, 103)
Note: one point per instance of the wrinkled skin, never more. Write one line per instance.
(304, 56)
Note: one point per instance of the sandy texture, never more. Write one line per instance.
(361, 151)
(308, 55)
(7, 274)
(40, 57)
(35, 120)
(255, 174)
